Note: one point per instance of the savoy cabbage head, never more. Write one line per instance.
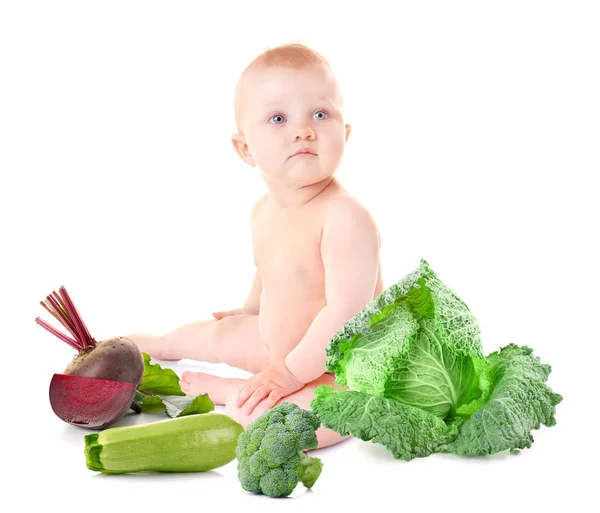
(416, 379)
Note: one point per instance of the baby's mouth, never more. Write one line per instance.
(304, 152)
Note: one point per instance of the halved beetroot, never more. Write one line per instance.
(90, 402)
(99, 385)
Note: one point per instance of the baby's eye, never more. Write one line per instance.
(320, 115)
(277, 119)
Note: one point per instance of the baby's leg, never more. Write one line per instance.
(223, 391)
(233, 340)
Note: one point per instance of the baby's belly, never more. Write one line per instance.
(283, 321)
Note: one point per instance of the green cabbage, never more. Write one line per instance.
(417, 380)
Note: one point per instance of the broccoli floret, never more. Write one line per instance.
(278, 482)
(270, 452)
(250, 481)
(258, 465)
(304, 424)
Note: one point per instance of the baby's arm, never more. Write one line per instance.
(350, 252)
(252, 304)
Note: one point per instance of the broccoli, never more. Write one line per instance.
(270, 452)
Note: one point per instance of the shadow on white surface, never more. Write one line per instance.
(179, 477)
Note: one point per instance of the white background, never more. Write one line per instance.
(475, 145)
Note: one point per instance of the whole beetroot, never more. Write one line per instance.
(89, 401)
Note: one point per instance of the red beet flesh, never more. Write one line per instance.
(90, 402)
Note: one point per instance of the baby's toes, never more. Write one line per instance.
(192, 383)
(185, 386)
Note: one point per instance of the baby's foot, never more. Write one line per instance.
(217, 388)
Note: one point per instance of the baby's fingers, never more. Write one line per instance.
(273, 399)
(220, 315)
(260, 393)
(246, 391)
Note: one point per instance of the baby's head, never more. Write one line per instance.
(286, 100)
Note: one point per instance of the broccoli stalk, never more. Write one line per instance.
(311, 470)
(270, 452)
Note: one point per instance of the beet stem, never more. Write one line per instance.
(64, 338)
(84, 334)
(63, 309)
(58, 313)
(66, 312)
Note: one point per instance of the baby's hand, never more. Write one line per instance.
(220, 315)
(274, 383)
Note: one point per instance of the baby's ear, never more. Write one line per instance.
(348, 130)
(241, 148)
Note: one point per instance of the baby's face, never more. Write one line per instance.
(283, 110)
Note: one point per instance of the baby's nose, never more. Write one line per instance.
(305, 132)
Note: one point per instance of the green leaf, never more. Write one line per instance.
(148, 402)
(406, 431)
(432, 376)
(159, 381)
(174, 405)
(518, 401)
(368, 364)
(160, 389)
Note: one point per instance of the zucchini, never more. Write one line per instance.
(193, 443)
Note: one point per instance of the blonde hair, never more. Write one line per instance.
(293, 55)
(289, 55)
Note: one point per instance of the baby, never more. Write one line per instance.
(315, 247)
